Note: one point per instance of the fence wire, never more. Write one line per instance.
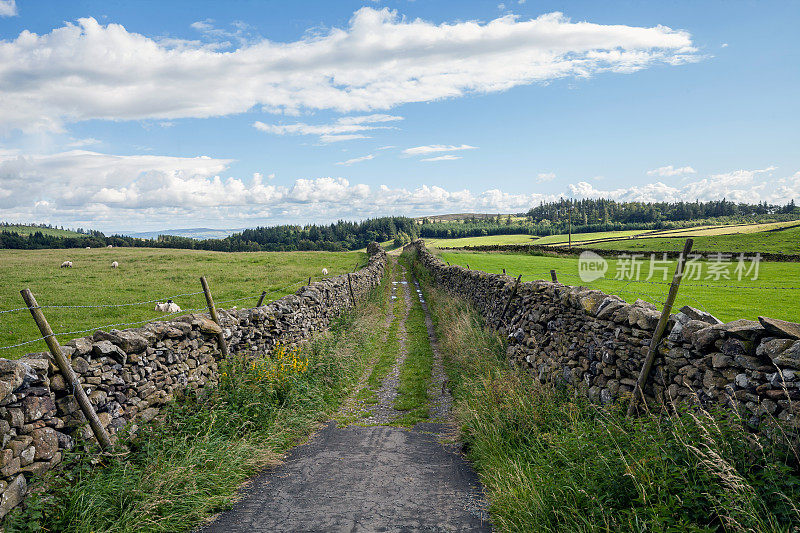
(139, 322)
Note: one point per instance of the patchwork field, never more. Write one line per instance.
(143, 274)
(29, 230)
(766, 238)
(727, 299)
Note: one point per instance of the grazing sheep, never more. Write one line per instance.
(110, 246)
(324, 271)
(88, 247)
(66, 264)
(114, 264)
(168, 307)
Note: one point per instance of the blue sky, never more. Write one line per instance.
(150, 115)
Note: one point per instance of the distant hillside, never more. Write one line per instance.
(30, 230)
(191, 233)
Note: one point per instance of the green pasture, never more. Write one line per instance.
(486, 240)
(779, 242)
(727, 299)
(143, 274)
(30, 230)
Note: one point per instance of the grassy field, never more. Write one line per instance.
(29, 230)
(749, 300)
(143, 274)
(729, 238)
(487, 240)
(780, 242)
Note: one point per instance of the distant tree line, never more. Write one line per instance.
(545, 219)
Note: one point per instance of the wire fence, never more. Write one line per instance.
(162, 317)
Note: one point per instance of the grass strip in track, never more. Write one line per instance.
(412, 391)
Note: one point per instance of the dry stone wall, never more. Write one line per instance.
(598, 342)
(128, 375)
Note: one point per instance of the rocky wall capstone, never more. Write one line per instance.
(130, 374)
(598, 342)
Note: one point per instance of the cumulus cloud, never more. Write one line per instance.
(343, 129)
(448, 157)
(356, 160)
(738, 186)
(86, 70)
(114, 192)
(8, 8)
(434, 148)
(545, 176)
(670, 171)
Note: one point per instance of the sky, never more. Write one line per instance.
(135, 116)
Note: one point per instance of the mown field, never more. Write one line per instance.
(143, 274)
(30, 230)
(726, 299)
(729, 238)
(780, 242)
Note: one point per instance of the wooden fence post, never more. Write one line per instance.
(350, 285)
(511, 297)
(261, 299)
(638, 390)
(553, 276)
(504, 271)
(309, 280)
(223, 344)
(66, 369)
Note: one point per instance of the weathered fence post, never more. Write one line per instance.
(504, 271)
(309, 280)
(511, 297)
(350, 285)
(553, 276)
(66, 369)
(223, 344)
(659, 332)
(261, 299)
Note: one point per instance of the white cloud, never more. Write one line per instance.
(748, 186)
(434, 148)
(356, 160)
(545, 176)
(448, 157)
(724, 45)
(8, 8)
(87, 70)
(342, 129)
(80, 143)
(670, 171)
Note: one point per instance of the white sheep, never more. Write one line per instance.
(324, 271)
(114, 264)
(167, 307)
(110, 246)
(66, 264)
(88, 247)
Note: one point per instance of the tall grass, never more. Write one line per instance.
(551, 461)
(189, 464)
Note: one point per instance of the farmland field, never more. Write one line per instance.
(780, 242)
(487, 240)
(143, 274)
(748, 300)
(29, 230)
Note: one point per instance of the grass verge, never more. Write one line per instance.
(551, 461)
(188, 465)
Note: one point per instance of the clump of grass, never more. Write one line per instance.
(188, 464)
(552, 461)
